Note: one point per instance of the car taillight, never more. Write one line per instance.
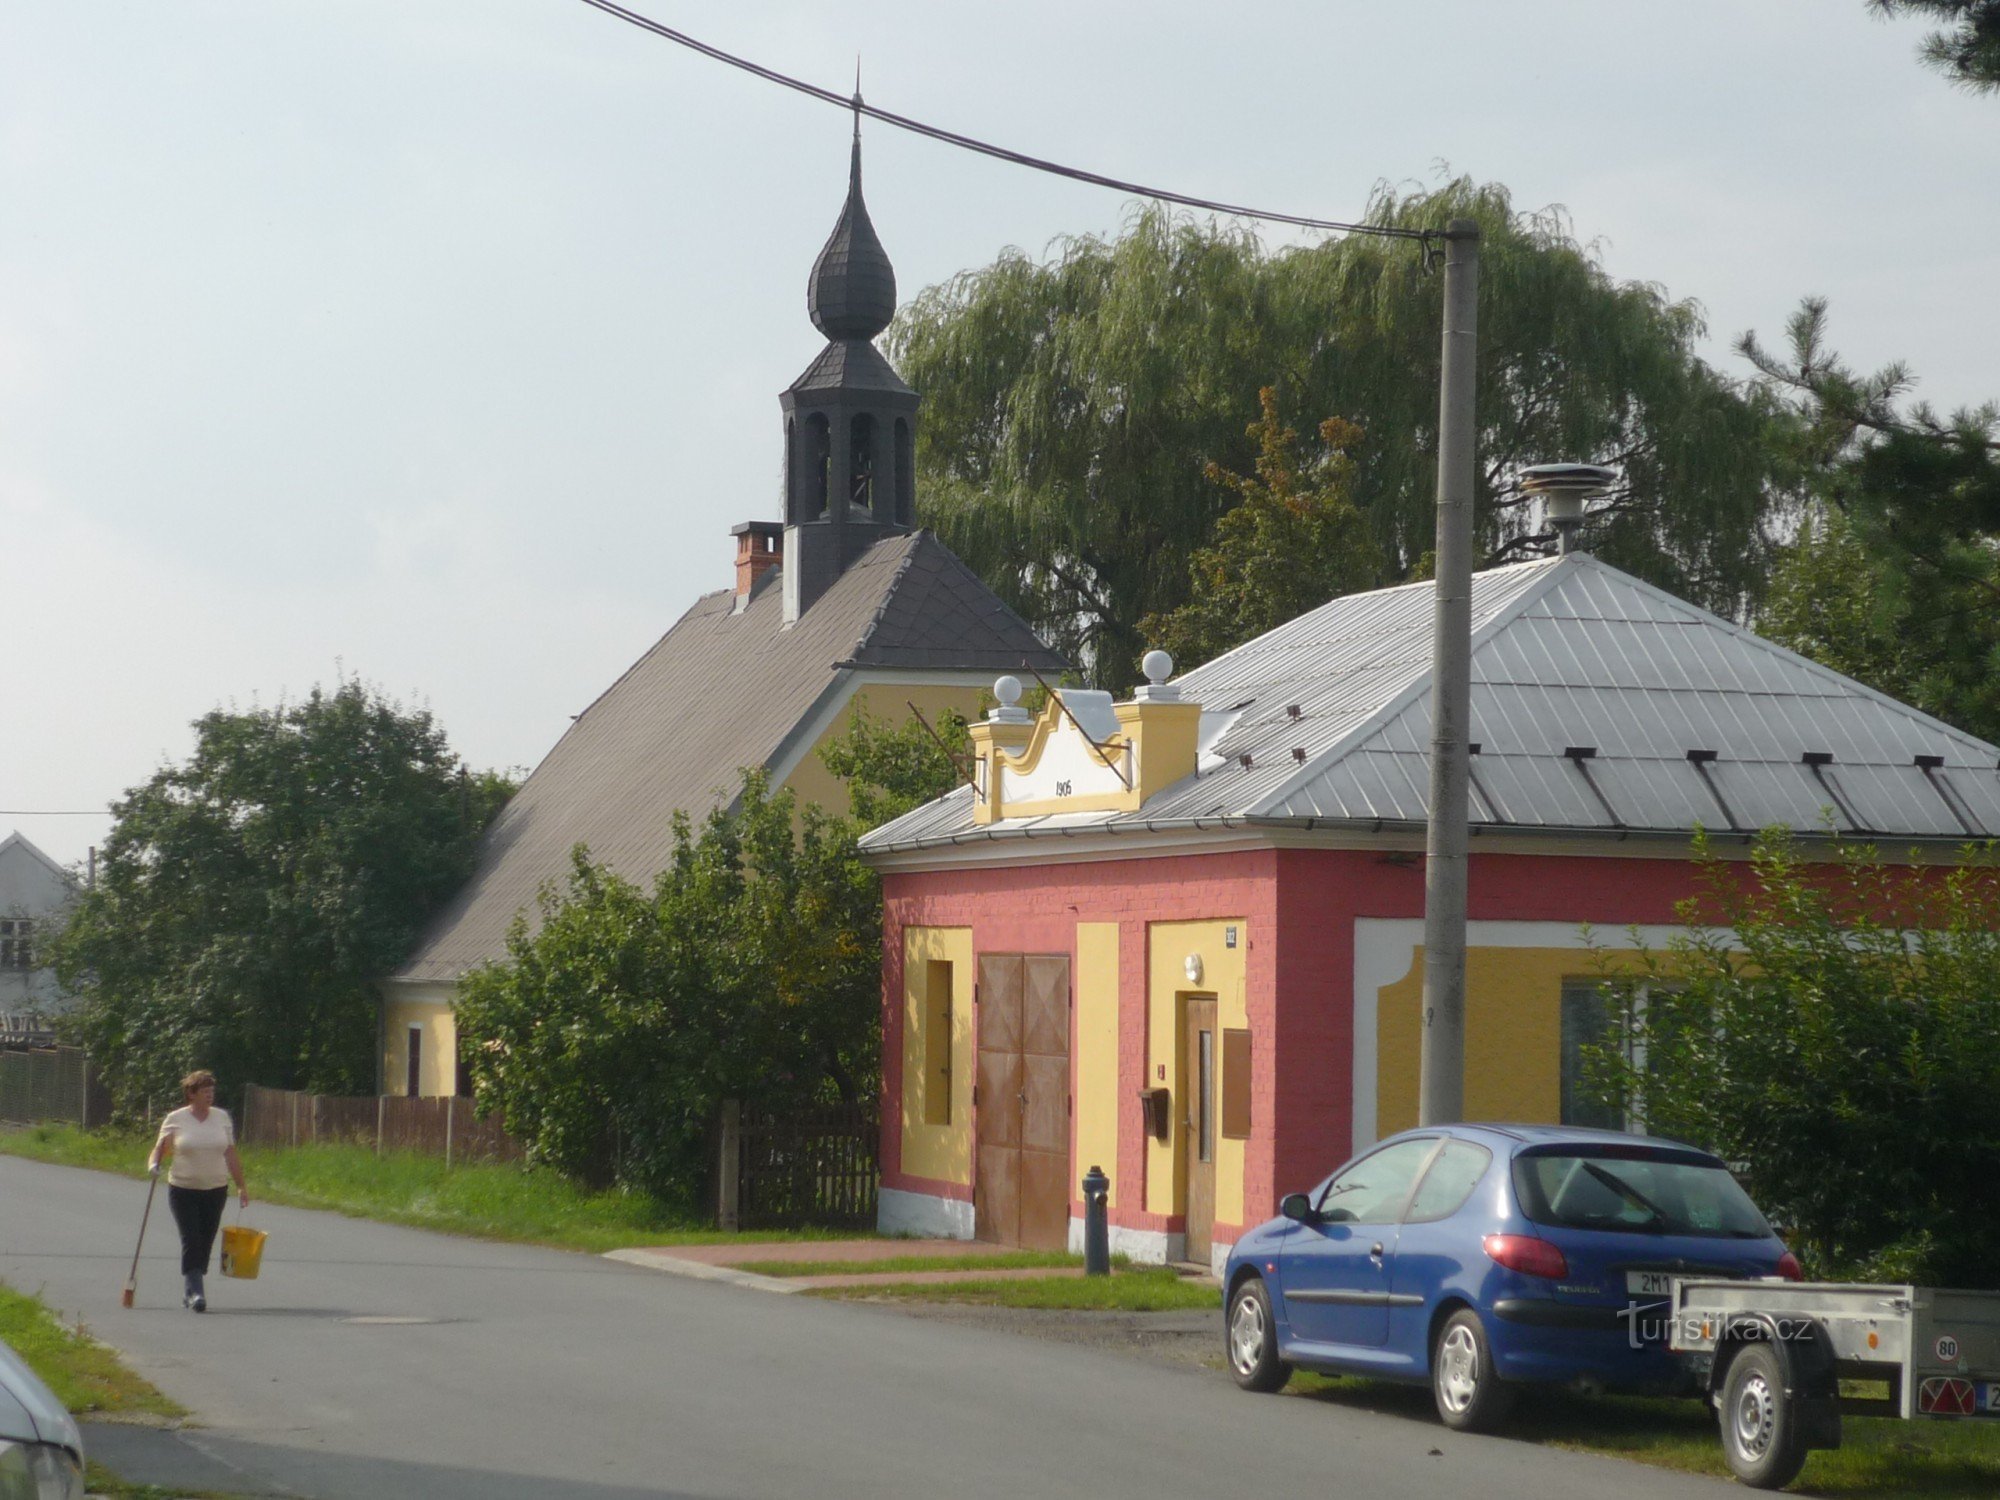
(1528, 1255)
(1789, 1268)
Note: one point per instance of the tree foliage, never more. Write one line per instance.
(247, 900)
(621, 1021)
(1965, 47)
(1072, 406)
(1293, 540)
(1835, 1030)
(1896, 579)
(891, 767)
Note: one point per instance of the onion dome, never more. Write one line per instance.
(851, 293)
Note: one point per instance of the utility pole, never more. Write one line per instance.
(1441, 1094)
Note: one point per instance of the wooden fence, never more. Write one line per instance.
(804, 1167)
(51, 1083)
(438, 1127)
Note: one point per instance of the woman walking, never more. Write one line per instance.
(200, 1143)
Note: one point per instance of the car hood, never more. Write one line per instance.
(29, 1411)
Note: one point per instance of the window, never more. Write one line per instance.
(1449, 1182)
(1374, 1189)
(1588, 1021)
(861, 461)
(936, 1021)
(1204, 1092)
(16, 943)
(1635, 1190)
(414, 1063)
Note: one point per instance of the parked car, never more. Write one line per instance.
(41, 1449)
(1482, 1258)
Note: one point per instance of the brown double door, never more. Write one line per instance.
(1021, 1109)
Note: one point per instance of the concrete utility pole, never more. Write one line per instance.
(1441, 1094)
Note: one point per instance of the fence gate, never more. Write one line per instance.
(799, 1168)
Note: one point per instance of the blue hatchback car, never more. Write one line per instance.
(1485, 1257)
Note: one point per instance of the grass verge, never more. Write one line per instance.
(86, 1376)
(903, 1265)
(403, 1187)
(1877, 1456)
(1140, 1289)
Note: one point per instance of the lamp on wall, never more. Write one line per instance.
(1193, 967)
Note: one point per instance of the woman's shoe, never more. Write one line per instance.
(198, 1302)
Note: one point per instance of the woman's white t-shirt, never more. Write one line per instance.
(199, 1147)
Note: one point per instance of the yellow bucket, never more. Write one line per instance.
(242, 1251)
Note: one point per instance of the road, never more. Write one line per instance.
(502, 1371)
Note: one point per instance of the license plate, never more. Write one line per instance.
(1649, 1283)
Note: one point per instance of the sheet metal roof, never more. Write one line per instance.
(719, 691)
(1569, 653)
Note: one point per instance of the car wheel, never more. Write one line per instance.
(1762, 1436)
(1250, 1338)
(1470, 1395)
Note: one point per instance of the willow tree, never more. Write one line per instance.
(1073, 405)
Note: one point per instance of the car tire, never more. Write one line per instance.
(1250, 1339)
(1762, 1436)
(1470, 1395)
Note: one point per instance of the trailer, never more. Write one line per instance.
(1774, 1357)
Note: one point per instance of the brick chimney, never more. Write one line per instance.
(760, 547)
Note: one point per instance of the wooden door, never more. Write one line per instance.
(1021, 1106)
(1199, 1070)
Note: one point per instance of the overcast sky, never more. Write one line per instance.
(439, 341)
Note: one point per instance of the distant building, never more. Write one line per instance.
(1181, 938)
(33, 890)
(846, 603)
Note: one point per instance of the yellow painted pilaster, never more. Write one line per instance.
(1095, 1082)
(942, 1150)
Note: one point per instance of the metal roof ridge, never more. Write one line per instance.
(1394, 588)
(1784, 653)
(1393, 706)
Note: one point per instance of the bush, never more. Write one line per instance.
(1834, 1029)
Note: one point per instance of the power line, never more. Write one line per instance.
(1002, 153)
(55, 812)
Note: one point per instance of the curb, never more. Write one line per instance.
(674, 1265)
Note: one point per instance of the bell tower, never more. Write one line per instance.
(850, 422)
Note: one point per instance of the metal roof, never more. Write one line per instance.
(1590, 689)
(724, 689)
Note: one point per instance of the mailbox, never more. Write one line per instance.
(1155, 1108)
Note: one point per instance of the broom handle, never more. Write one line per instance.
(133, 1278)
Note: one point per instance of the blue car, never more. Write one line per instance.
(1482, 1258)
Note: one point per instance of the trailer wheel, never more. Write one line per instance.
(1763, 1437)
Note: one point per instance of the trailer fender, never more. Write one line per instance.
(1806, 1355)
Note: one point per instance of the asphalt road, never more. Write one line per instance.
(501, 1371)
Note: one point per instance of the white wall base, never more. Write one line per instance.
(1218, 1257)
(1146, 1247)
(922, 1214)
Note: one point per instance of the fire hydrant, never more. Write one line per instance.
(1096, 1223)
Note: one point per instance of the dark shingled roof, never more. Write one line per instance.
(720, 691)
(854, 365)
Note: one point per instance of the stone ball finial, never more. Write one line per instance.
(1008, 691)
(1158, 667)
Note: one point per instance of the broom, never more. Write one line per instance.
(132, 1280)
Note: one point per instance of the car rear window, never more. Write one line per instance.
(1635, 1192)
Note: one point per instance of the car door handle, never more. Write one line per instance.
(1375, 1251)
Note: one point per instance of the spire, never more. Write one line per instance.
(852, 291)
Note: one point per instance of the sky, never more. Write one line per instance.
(438, 342)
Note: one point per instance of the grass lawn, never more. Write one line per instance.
(1139, 1289)
(1877, 1456)
(86, 1376)
(403, 1187)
